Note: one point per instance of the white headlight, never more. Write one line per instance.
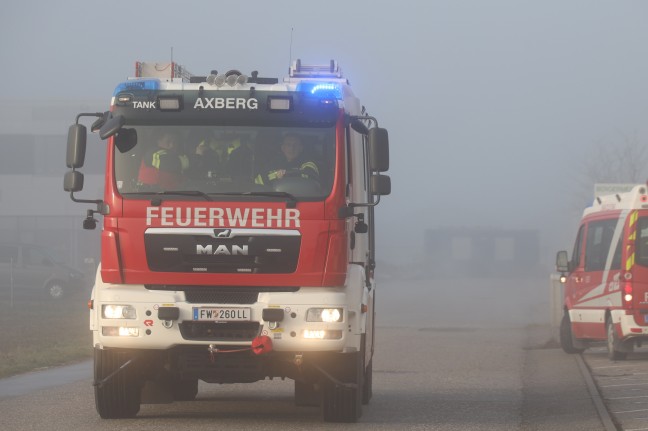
(111, 311)
(328, 315)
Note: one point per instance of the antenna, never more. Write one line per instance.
(171, 54)
(290, 56)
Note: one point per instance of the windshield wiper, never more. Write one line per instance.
(291, 199)
(174, 192)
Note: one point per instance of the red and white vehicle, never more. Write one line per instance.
(221, 277)
(606, 280)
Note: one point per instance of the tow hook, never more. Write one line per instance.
(298, 360)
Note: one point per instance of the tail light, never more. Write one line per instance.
(627, 289)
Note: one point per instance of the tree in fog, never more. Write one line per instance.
(617, 162)
(624, 161)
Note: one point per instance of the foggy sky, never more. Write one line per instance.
(490, 105)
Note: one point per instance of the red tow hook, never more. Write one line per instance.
(261, 345)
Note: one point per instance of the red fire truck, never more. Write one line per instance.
(238, 237)
(606, 280)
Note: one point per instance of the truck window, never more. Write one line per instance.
(226, 159)
(641, 256)
(597, 247)
(578, 246)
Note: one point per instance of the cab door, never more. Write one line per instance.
(574, 281)
(592, 296)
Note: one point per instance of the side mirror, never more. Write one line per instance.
(76, 146)
(378, 141)
(380, 185)
(73, 181)
(562, 262)
(111, 126)
(99, 122)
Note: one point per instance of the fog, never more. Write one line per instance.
(492, 107)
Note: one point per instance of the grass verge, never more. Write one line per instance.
(37, 333)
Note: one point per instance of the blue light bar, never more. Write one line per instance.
(137, 84)
(322, 89)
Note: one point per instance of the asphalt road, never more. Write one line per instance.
(451, 355)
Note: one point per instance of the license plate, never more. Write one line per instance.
(218, 314)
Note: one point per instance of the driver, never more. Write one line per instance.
(291, 162)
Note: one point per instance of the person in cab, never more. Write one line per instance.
(291, 162)
(163, 164)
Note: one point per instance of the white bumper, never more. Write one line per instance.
(147, 331)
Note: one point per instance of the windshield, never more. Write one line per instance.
(210, 162)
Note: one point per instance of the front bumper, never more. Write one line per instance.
(149, 331)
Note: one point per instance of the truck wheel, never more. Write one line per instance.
(566, 336)
(184, 390)
(306, 395)
(119, 397)
(367, 389)
(613, 342)
(344, 404)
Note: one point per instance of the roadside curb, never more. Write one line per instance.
(603, 413)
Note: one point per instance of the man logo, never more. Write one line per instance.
(235, 250)
(225, 233)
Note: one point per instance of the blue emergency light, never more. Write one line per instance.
(137, 84)
(321, 89)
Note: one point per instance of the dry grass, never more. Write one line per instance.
(37, 333)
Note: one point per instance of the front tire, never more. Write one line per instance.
(119, 397)
(367, 387)
(567, 337)
(343, 403)
(613, 343)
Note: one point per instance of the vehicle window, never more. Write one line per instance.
(641, 246)
(8, 254)
(616, 260)
(578, 246)
(35, 257)
(597, 246)
(228, 159)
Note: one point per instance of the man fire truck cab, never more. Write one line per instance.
(222, 277)
(606, 280)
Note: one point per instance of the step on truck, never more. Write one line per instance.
(605, 283)
(238, 239)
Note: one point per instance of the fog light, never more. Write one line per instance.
(328, 315)
(112, 311)
(320, 334)
(309, 333)
(119, 331)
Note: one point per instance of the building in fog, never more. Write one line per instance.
(34, 208)
(481, 252)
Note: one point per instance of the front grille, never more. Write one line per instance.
(219, 331)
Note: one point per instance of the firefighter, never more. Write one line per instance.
(239, 160)
(163, 165)
(203, 159)
(291, 163)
